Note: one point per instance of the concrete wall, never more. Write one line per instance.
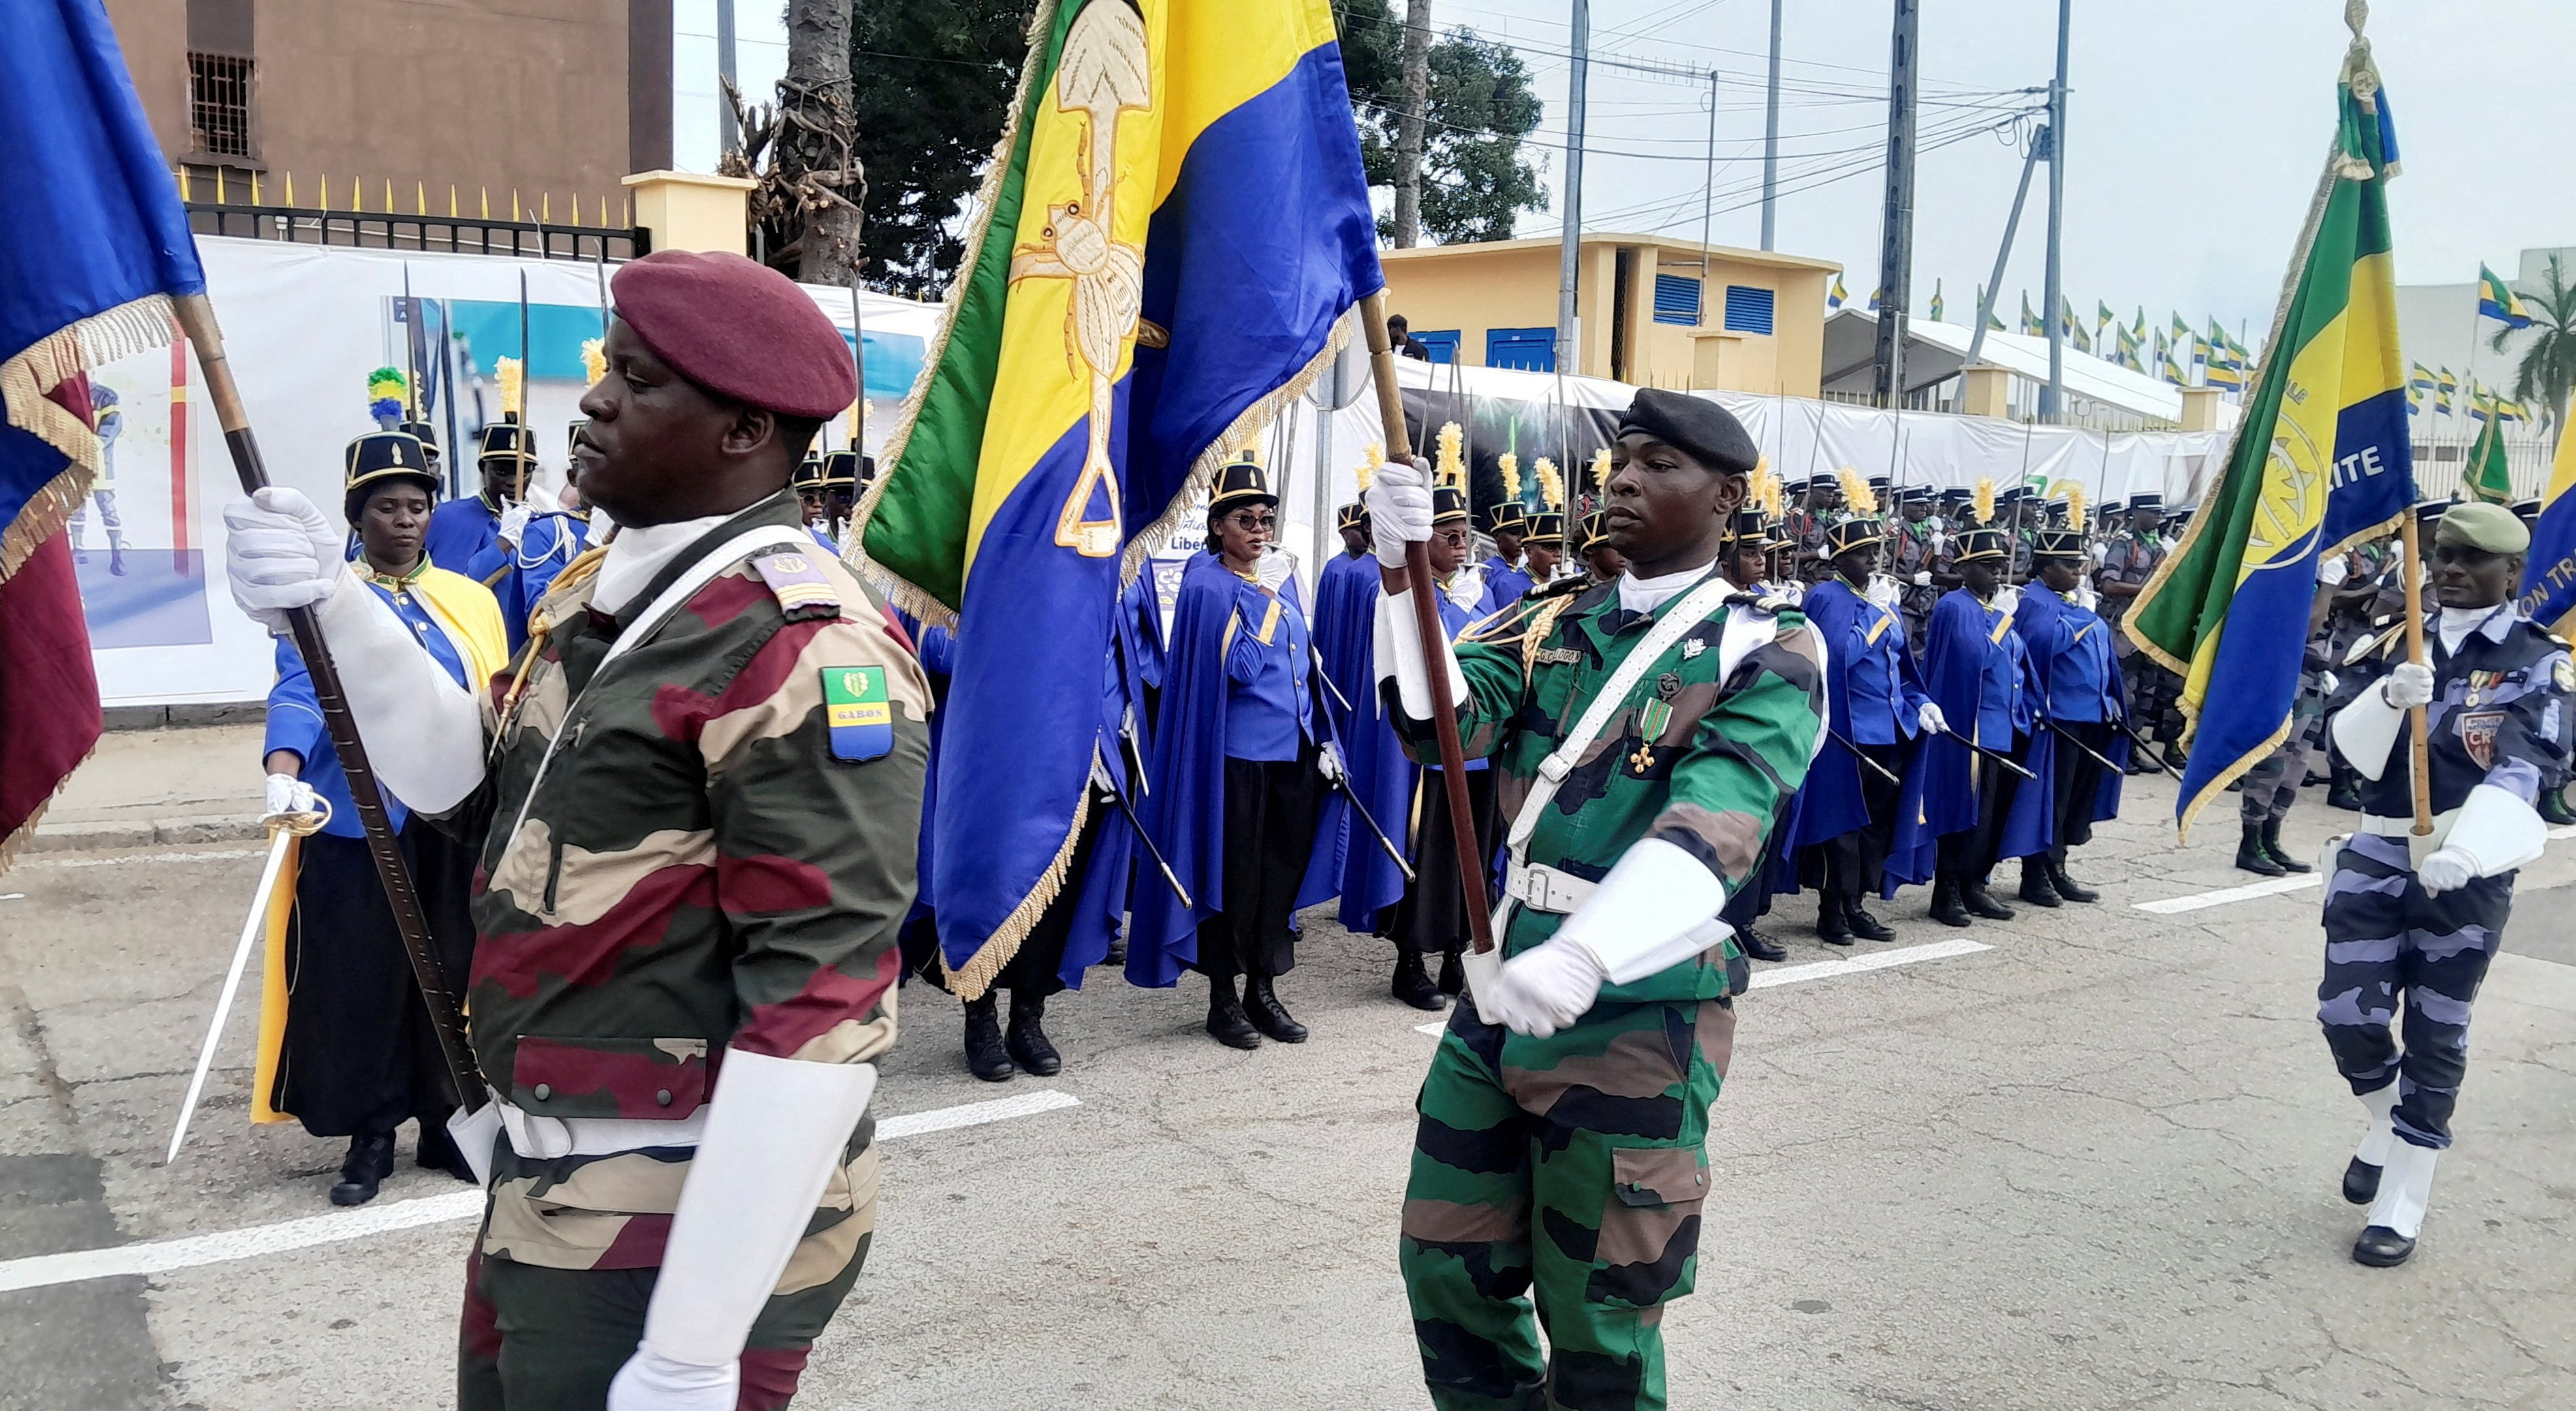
(475, 94)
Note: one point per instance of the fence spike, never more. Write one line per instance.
(290, 190)
(451, 200)
(183, 183)
(219, 187)
(254, 188)
(389, 196)
(514, 205)
(420, 197)
(323, 202)
(487, 203)
(545, 207)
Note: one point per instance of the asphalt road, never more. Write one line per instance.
(2091, 1166)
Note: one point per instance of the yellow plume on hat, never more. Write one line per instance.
(1769, 495)
(1601, 468)
(594, 359)
(1367, 473)
(1983, 504)
(1451, 466)
(1551, 486)
(1510, 466)
(1857, 496)
(2075, 506)
(513, 377)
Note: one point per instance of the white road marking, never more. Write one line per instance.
(14, 896)
(217, 855)
(1827, 969)
(2172, 906)
(193, 1251)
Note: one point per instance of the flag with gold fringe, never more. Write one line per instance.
(2320, 461)
(2549, 570)
(1168, 247)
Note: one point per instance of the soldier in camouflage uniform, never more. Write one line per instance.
(1805, 523)
(1918, 559)
(1561, 1147)
(697, 832)
(2129, 560)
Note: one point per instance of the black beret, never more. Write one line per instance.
(1709, 433)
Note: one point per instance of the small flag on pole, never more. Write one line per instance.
(2496, 300)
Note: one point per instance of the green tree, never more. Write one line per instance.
(1475, 181)
(2548, 371)
(933, 81)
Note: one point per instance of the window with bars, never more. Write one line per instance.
(219, 104)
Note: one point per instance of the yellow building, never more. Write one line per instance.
(1759, 327)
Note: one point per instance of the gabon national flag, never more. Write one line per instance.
(2321, 461)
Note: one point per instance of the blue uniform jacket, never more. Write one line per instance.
(461, 531)
(1875, 695)
(520, 580)
(2074, 680)
(1974, 668)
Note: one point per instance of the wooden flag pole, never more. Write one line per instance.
(2417, 726)
(446, 1017)
(1426, 622)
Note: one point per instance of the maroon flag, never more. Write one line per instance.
(49, 712)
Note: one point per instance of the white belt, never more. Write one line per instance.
(1543, 888)
(539, 1138)
(2405, 828)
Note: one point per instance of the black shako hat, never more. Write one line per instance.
(1846, 535)
(1448, 504)
(1980, 544)
(381, 455)
(505, 439)
(1351, 516)
(1239, 483)
(1707, 432)
(1546, 525)
(841, 471)
(809, 473)
(2060, 544)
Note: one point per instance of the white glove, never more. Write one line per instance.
(652, 1382)
(1328, 762)
(1923, 579)
(2409, 684)
(280, 553)
(514, 525)
(1466, 589)
(2327, 681)
(2447, 870)
(1274, 568)
(288, 794)
(1399, 508)
(1930, 720)
(1547, 989)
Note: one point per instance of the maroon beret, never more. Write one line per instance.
(739, 329)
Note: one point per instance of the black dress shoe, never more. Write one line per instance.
(1261, 1004)
(1117, 952)
(1026, 1038)
(986, 1055)
(2068, 888)
(2347, 799)
(1980, 902)
(1830, 926)
(1226, 1021)
(2382, 1248)
(2272, 850)
(1862, 924)
(1946, 906)
(2251, 856)
(1453, 974)
(2360, 1182)
(2035, 887)
(438, 1151)
(1411, 984)
(370, 1160)
(1759, 946)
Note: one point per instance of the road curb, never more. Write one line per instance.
(144, 833)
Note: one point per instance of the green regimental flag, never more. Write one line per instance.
(2488, 478)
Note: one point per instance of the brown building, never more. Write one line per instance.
(556, 99)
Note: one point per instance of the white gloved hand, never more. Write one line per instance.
(2327, 681)
(288, 794)
(1923, 579)
(514, 525)
(2409, 684)
(2447, 870)
(1930, 720)
(1546, 989)
(1274, 568)
(1465, 589)
(1328, 762)
(651, 1382)
(280, 553)
(1399, 508)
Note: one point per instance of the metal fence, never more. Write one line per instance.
(462, 235)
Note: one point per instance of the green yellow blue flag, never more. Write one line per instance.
(2488, 475)
(1169, 245)
(2549, 570)
(1837, 296)
(1936, 301)
(2496, 300)
(2320, 461)
(2031, 323)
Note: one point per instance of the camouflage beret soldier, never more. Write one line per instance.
(696, 838)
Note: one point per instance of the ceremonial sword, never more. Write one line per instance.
(1343, 782)
(1865, 759)
(2069, 737)
(2153, 756)
(282, 835)
(1999, 757)
(1136, 771)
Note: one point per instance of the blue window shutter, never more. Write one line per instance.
(1677, 300)
(1748, 310)
(1527, 349)
(1442, 344)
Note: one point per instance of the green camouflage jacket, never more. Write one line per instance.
(1705, 764)
(718, 855)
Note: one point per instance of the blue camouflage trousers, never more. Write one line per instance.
(2385, 936)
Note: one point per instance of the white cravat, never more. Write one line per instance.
(1647, 594)
(2458, 623)
(638, 553)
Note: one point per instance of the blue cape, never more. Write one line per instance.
(1831, 802)
(2039, 621)
(1964, 640)
(1346, 596)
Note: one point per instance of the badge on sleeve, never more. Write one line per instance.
(799, 585)
(859, 714)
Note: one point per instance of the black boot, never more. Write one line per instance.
(2553, 807)
(1830, 927)
(1410, 984)
(2343, 789)
(1027, 1041)
(1980, 902)
(1117, 952)
(370, 1160)
(1261, 1002)
(2252, 856)
(1453, 974)
(1947, 908)
(2035, 887)
(438, 1151)
(1226, 1021)
(2067, 887)
(2272, 850)
(986, 1055)
(1759, 946)
(2177, 757)
(1862, 924)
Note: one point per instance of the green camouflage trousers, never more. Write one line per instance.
(1571, 1169)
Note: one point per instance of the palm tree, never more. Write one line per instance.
(2548, 371)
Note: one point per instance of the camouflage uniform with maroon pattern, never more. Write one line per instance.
(695, 870)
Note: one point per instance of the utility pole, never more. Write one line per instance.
(1708, 197)
(1409, 124)
(728, 132)
(2052, 398)
(1770, 138)
(1896, 235)
(1569, 326)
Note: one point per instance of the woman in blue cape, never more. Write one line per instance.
(1237, 769)
(1951, 817)
(1346, 595)
(2076, 692)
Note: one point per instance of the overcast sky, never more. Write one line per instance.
(2196, 132)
